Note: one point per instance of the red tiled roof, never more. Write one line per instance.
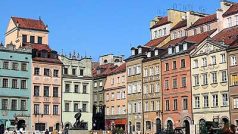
(49, 60)
(174, 42)
(198, 38)
(204, 20)
(29, 23)
(104, 70)
(228, 35)
(155, 42)
(39, 47)
(161, 22)
(120, 69)
(232, 10)
(180, 24)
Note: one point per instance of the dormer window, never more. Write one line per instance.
(175, 35)
(156, 52)
(140, 50)
(194, 31)
(177, 48)
(170, 50)
(156, 34)
(185, 47)
(133, 52)
(180, 47)
(149, 54)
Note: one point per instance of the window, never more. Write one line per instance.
(73, 71)
(204, 76)
(184, 82)
(46, 91)
(5, 83)
(175, 35)
(234, 79)
(81, 72)
(214, 77)
(24, 38)
(208, 27)
(236, 20)
(118, 95)
(5, 65)
(215, 100)
(151, 88)
(175, 104)
(36, 91)
(201, 29)
(23, 67)
(14, 83)
(135, 107)
(152, 105)
(224, 77)
(112, 81)
(36, 109)
(206, 101)
(4, 104)
(66, 107)
(14, 105)
(194, 31)
(160, 32)
(84, 89)
(174, 83)
(56, 72)
(195, 62)
(118, 109)
(155, 33)
(40, 126)
(167, 105)
(174, 64)
(164, 29)
(225, 99)
(55, 92)
(185, 104)
(14, 66)
(112, 109)
(229, 22)
(183, 63)
(23, 104)
(36, 71)
(39, 40)
(138, 126)
(146, 106)
(148, 125)
(157, 87)
(213, 60)
(235, 101)
(32, 39)
(46, 109)
(204, 62)
(233, 60)
(197, 102)
(76, 107)
(157, 105)
(166, 66)
(23, 84)
(113, 97)
(76, 88)
(55, 109)
(67, 88)
(223, 58)
(65, 70)
(166, 85)
(151, 71)
(100, 83)
(95, 84)
(196, 80)
(138, 70)
(46, 72)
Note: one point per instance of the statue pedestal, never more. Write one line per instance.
(78, 132)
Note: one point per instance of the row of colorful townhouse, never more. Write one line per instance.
(41, 89)
(185, 77)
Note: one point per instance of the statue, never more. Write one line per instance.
(79, 124)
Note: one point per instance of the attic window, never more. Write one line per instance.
(140, 50)
(156, 52)
(117, 60)
(133, 52)
(170, 50)
(105, 61)
(149, 54)
(185, 46)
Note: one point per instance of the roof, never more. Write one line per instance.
(105, 70)
(161, 22)
(49, 60)
(198, 38)
(232, 10)
(180, 24)
(229, 36)
(119, 69)
(204, 20)
(39, 47)
(174, 42)
(156, 42)
(27, 23)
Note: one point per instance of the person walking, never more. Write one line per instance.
(46, 132)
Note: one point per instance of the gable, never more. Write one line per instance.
(11, 25)
(207, 47)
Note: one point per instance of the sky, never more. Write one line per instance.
(97, 27)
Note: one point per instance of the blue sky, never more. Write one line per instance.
(97, 27)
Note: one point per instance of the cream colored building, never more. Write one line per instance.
(76, 90)
(24, 30)
(209, 83)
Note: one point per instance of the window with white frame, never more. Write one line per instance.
(213, 60)
(151, 71)
(152, 105)
(235, 101)
(233, 60)
(164, 31)
(139, 107)
(157, 87)
(225, 99)
(195, 63)
(134, 88)
(155, 34)
(118, 109)
(175, 104)
(112, 81)
(204, 76)
(214, 77)
(215, 100)
(185, 103)
(95, 84)
(184, 81)
(112, 110)
(145, 72)
(138, 87)
(156, 70)
(224, 76)
(146, 89)
(166, 84)
(151, 88)
(229, 20)
(100, 83)
(204, 62)
(113, 97)
(196, 80)
(95, 98)
(236, 20)
(108, 111)
(135, 107)
(157, 105)
(160, 32)
(205, 101)
(138, 69)
(123, 109)
(129, 89)
(146, 106)
(167, 105)
(118, 95)
(197, 102)
(129, 108)
(223, 58)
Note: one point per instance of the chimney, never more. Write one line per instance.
(225, 5)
